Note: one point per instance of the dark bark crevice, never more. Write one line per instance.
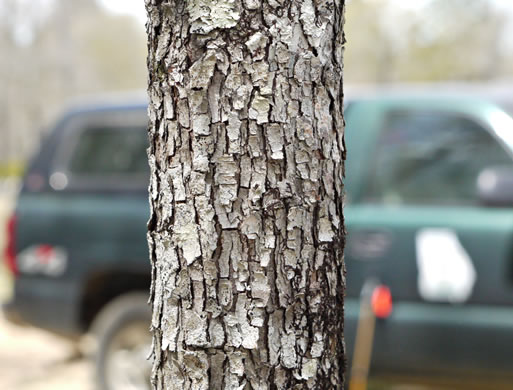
(246, 191)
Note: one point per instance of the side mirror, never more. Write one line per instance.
(495, 186)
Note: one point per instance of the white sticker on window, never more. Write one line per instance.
(446, 272)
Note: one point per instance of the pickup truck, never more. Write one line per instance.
(429, 214)
(76, 242)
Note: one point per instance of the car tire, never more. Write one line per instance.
(122, 343)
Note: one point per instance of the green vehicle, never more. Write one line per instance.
(429, 213)
(77, 240)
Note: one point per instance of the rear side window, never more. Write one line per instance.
(110, 151)
(102, 151)
(431, 158)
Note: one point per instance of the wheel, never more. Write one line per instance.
(123, 343)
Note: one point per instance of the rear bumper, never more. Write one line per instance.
(11, 315)
(45, 304)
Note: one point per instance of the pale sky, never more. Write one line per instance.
(133, 7)
(136, 7)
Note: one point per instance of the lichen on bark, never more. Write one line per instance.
(246, 230)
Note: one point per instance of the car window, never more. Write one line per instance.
(108, 151)
(431, 158)
(509, 109)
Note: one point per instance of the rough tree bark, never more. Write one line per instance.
(246, 231)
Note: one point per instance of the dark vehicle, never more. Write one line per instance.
(77, 239)
(429, 214)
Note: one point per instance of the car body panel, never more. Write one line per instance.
(420, 341)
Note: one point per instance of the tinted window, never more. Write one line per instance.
(431, 158)
(110, 152)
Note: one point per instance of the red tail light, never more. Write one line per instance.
(381, 301)
(10, 249)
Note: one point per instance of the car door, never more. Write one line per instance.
(419, 228)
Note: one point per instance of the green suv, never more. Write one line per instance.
(429, 214)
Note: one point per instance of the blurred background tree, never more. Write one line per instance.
(55, 50)
(428, 40)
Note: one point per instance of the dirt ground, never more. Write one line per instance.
(34, 360)
(31, 359)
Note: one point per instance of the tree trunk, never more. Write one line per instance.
(246, 229)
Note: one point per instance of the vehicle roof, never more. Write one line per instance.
(136, 100)
(499, 93)
(455, 93)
